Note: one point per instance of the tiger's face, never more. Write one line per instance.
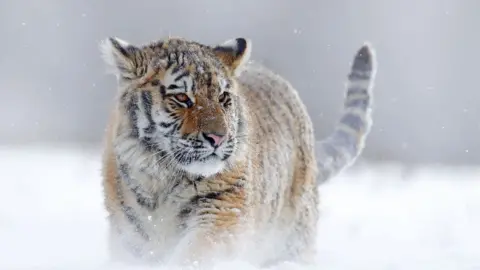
(181, 101)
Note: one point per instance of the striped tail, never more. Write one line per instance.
(345, 144)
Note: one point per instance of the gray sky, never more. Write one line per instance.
(54, 85)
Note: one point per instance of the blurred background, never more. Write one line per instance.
(55, 88)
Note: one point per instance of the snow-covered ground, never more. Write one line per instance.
(51, 216)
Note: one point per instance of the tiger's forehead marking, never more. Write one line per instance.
(188, 65)
(203, 75)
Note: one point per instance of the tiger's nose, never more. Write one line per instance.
(214, 139)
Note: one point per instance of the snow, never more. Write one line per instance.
(376, 217)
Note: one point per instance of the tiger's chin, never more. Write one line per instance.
(205, 168)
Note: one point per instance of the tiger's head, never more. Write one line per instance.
(179, 100)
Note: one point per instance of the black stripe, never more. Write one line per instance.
(175, 128)
(123, 172)
(163, 91)
(354, 121)
(228, 103)
(166, 125)
(176, 69)
(171, 190)
(197, 199)
(150, 203)
(225, 97)
(139, 60)
(132, 217)
(362, 103)
(169, 112)
(147, 105)
(195, 203)
(184, 74)
(354, 90)
(178, 103)
(120, 48)
(356, 75)
(208, 79)
(184, 158)
(185, 86)
(152, 146)
(169, 60)
(226, 155)
(184, 213)
(181, 59)
(143, 198)
(172, 86)
(193, 86)
(129, 212)
(123, 97)
(132, 109)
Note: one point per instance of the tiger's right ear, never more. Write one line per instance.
(234, 53)
(120, 57)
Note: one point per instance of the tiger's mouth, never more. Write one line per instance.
(212, 157)
(210, 165)
(186, 153)
(202, 162)
(197, 158)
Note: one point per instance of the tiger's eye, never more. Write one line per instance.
(155, 82)
(182, 97)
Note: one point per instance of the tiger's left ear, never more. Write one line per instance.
(121, 57)
(234, 53)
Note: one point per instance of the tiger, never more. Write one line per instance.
(209, 153)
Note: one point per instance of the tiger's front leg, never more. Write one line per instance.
(199, 246)
(212, 222)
